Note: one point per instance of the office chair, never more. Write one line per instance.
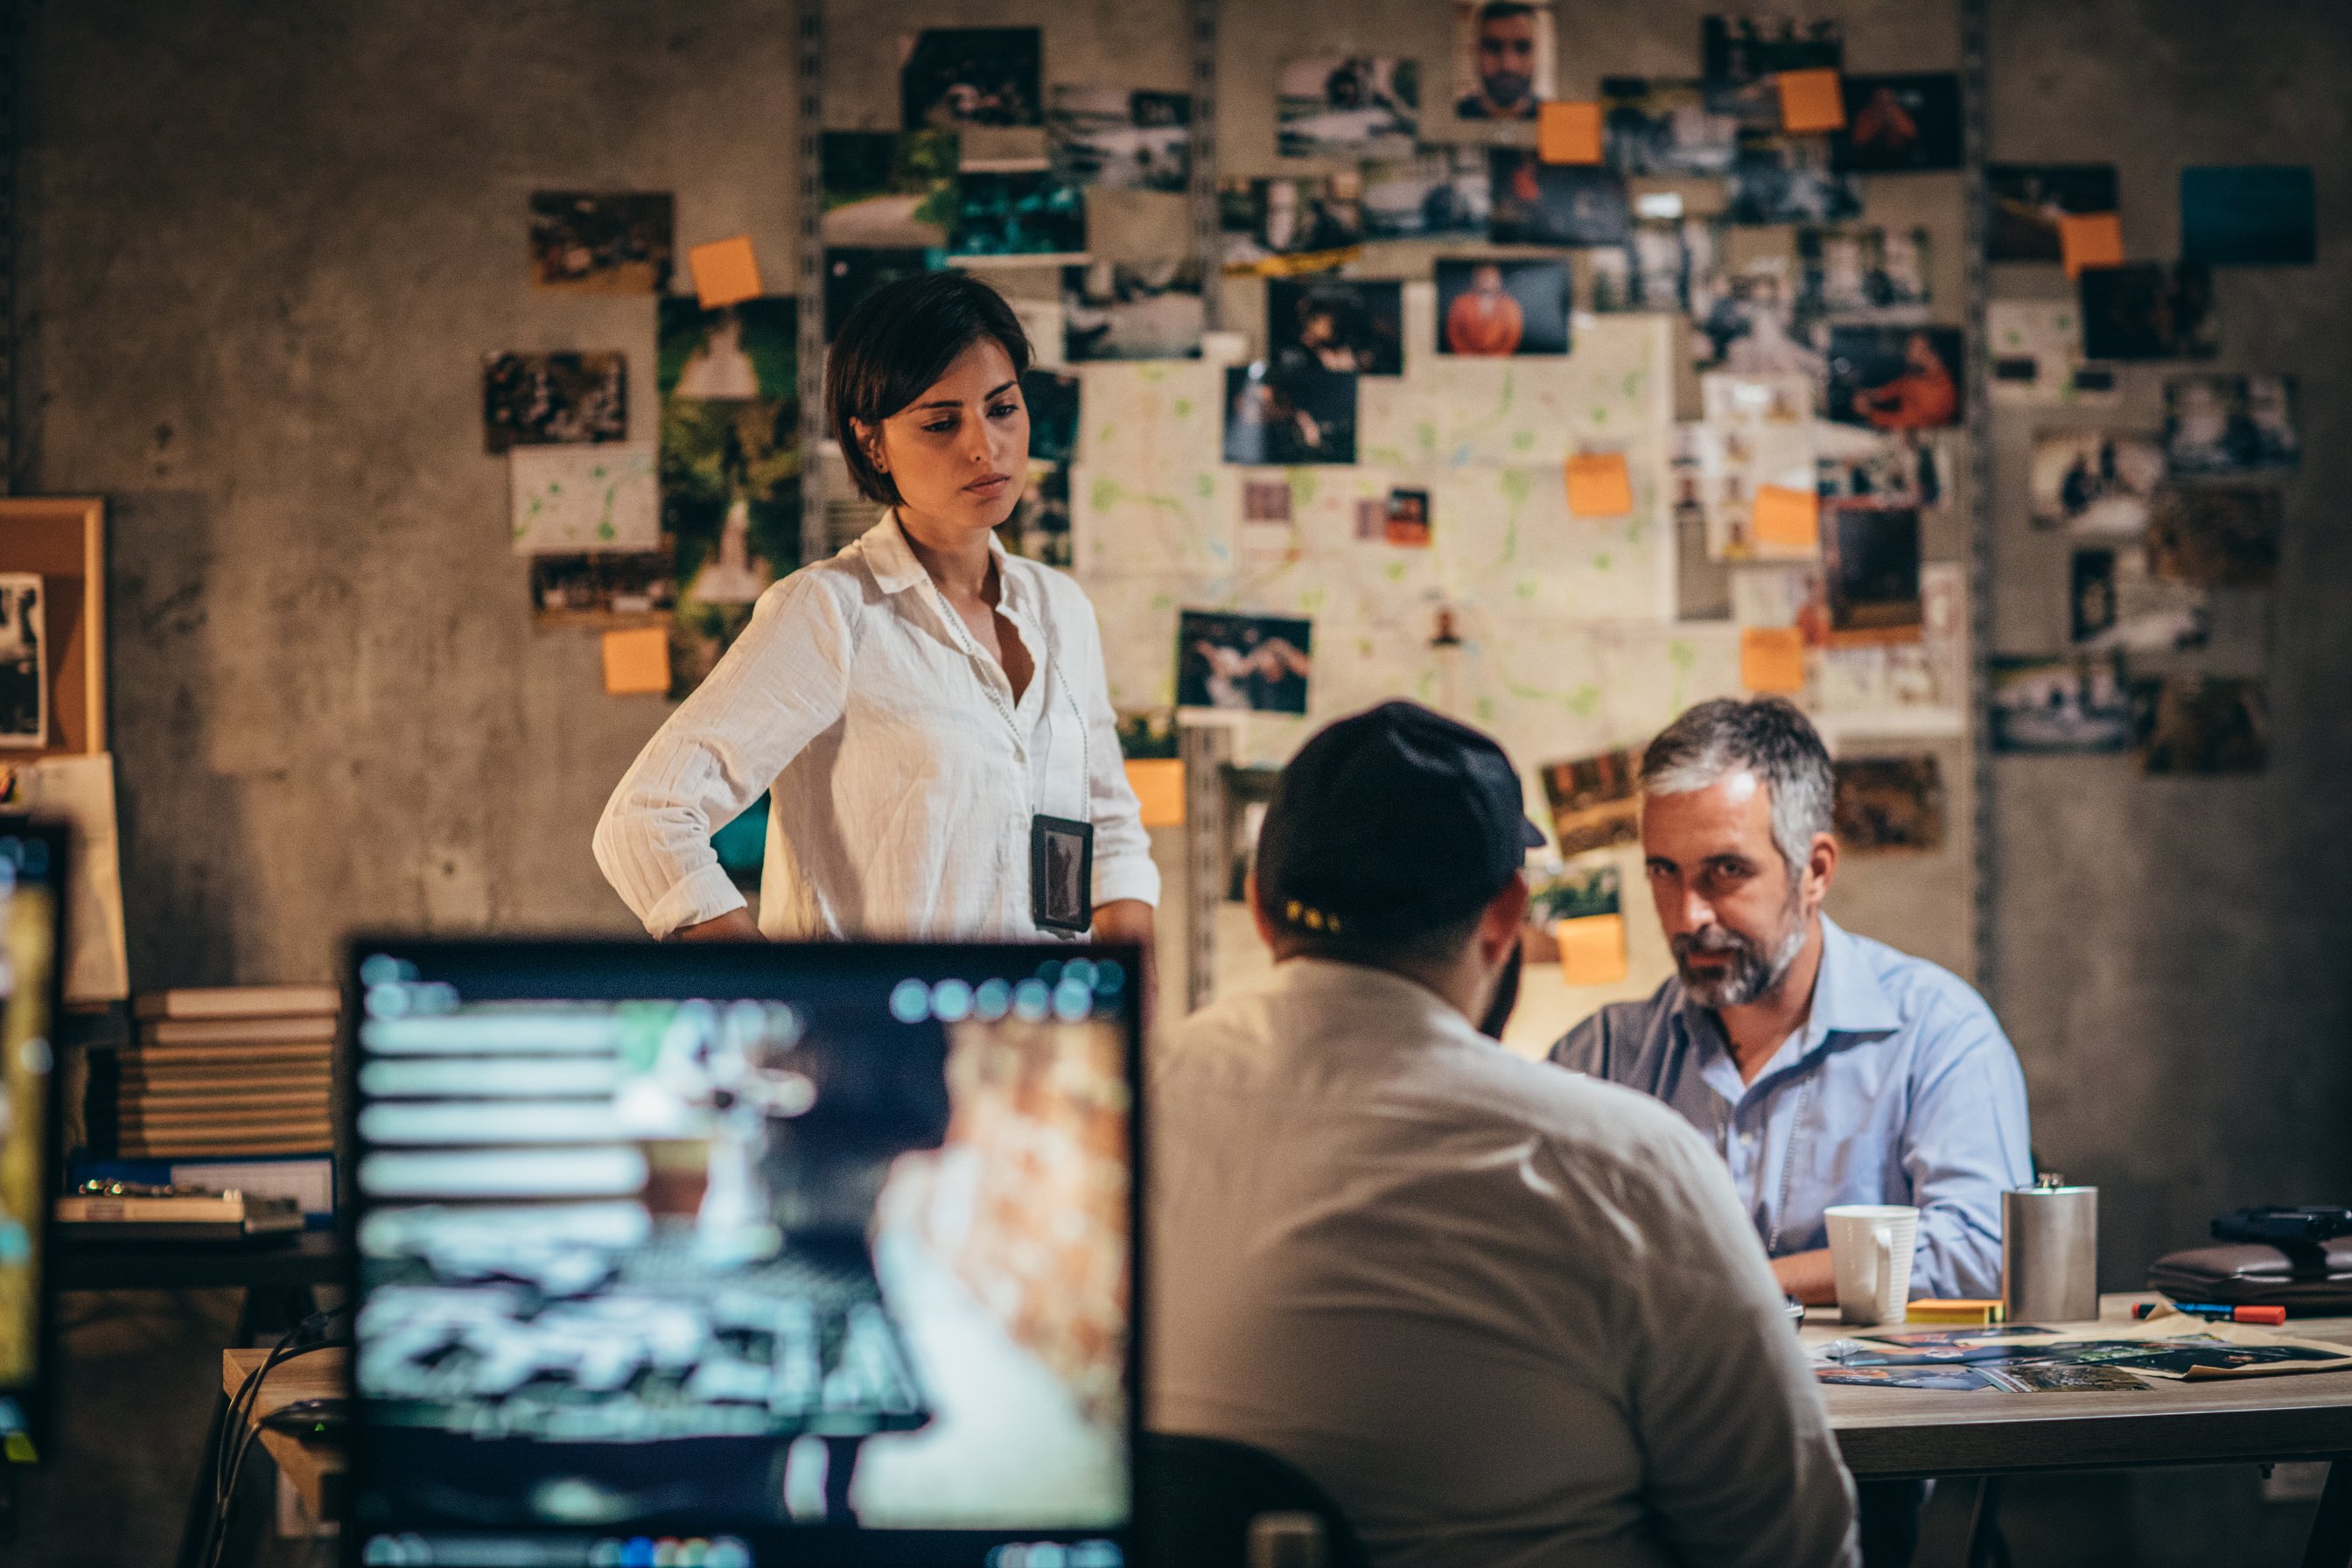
(1198, 1496)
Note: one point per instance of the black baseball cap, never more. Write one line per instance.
(1389, 821)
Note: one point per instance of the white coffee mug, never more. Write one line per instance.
(1870, 1252)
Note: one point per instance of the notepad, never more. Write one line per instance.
(2090, 239)
(725, 272)
(636, 661)
(1812, 101)
(1569, 134)
(1599, 484)
(1772, 658)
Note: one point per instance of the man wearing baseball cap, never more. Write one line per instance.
(1501, 1313)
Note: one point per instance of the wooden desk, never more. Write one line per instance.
(1890, 1433)
(314, 1469)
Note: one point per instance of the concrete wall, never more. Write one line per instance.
(266, 244)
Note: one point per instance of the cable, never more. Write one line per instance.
(239, 1430)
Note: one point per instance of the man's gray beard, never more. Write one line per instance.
(1750, 975)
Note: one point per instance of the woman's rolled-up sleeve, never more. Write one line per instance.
(783, 683)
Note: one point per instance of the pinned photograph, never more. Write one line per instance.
(2255, 214)
(602, 588)
(1757, 437)
(2145, 309)
(569, 499)
(1863, 274)
(1279, 417)
(949, 77)
(1895, 378)
(1407, 523)
(2093, 482)
(2029, 199)
(1743, 291)
(1132, 310)
(851, 273)
(740, 351)
(1652, 272)
(24, 662)
(1365, 106)
(1337, 323)
(1120, 139)
(534, 399)
(1650, 126)
(1595, 801)
(601, 244)
(1893, 467)
(1274, 228)
(1052, 402)
(1443, 193)
(2121, 604)
(1789, 179)
(1536, 203)
(1740, 59)
(1871, 565)
(1494, 308)
(2199, 724)
(1899, 125)
(2230, 424)
(2037, 357)
(886, 190)
(2070, 703)
(1884, 804)
(1028, 215)
(1266, 502)
(1233, 663)
(2216, 535)
(1503, 54)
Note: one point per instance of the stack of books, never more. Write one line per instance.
(232, 1070)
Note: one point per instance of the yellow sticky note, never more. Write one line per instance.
(1591, 949)
(2090, 239)
(636, 659)
(19, 1449)
(1569, 134)
(1787, 519)
(1598, 486)
(1772, 658)
(1812, 101)
(1159, 786)
(725, 272)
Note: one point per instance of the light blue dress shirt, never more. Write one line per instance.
(1901, 1088)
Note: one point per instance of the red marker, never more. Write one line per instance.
(2274, 1317)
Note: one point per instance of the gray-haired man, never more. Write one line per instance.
(1827, 1067)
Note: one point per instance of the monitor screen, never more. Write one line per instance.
(727, 1254)
(32, 879)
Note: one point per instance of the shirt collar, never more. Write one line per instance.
(1409, 1013)
(1848, 1003)
(892, 560)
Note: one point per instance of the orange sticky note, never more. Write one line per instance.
(1598, 486)
(636, 659)
(1569, 134)
(1812, 101)
(2091, 239)
(1772, 658)
(1591, 949)
(1787, 519)
(1159, 786)
(725, 272)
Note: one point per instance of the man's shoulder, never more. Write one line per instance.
(1616, 1036)
(1921, 990)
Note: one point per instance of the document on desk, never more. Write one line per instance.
(2112, 1360)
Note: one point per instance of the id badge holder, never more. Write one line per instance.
(1062, 874)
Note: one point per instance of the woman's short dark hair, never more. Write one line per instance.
(899, 339)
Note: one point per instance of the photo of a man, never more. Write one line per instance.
(1892, 378)
(1505, 60)
(1496, 309)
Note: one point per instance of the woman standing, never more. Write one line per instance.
(929, 714)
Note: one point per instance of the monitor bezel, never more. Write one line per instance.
(595, 957)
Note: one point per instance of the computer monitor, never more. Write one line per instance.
(32, 948)
(725, 1254)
